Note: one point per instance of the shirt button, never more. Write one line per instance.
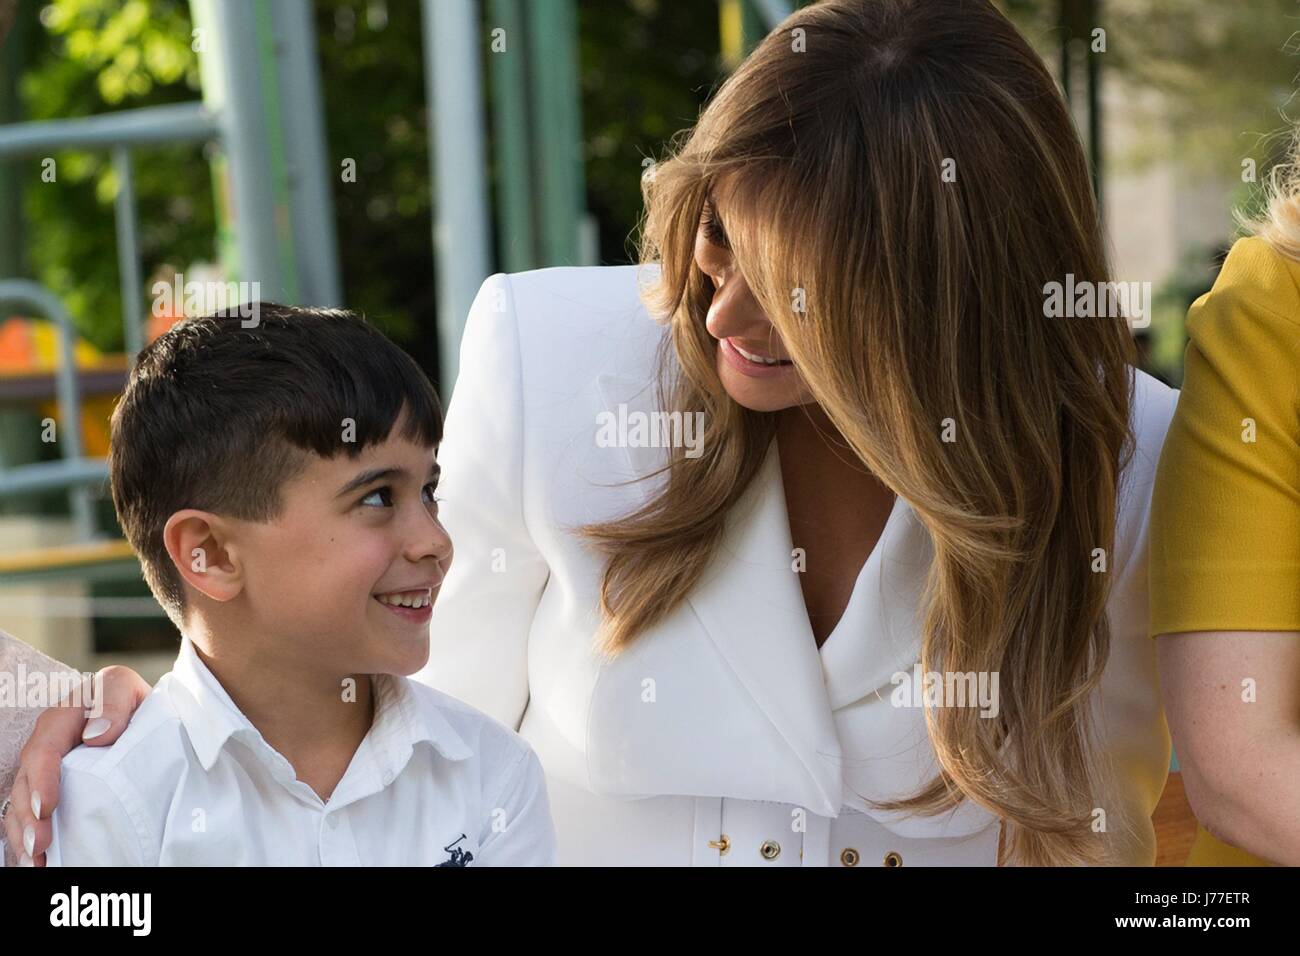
(334, 821)
(388, 777)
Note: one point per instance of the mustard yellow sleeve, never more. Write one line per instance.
(1225, 511)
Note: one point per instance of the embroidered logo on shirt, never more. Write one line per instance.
(458, 856)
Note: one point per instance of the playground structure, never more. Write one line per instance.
(261, 91)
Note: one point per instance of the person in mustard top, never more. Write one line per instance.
(1225, 553)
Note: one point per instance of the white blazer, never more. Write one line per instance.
(722, 736)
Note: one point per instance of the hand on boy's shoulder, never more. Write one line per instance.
(155, 727)
(103, 812)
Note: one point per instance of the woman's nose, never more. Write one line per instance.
(734, 311)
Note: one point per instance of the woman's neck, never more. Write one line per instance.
(836, 509)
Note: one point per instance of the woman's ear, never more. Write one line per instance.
(200, 545)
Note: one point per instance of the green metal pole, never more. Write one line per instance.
(269, 67)
(517, 246)
(561, 196)
(19, 429)
(12, 60)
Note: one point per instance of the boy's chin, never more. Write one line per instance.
(405, 660)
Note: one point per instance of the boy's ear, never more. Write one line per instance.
(200, 547)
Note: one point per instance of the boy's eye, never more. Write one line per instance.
(429, 497)
(385, 496)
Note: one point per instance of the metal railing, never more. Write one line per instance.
(117, 132)
(260, 90)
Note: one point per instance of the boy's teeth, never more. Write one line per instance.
(411, 599)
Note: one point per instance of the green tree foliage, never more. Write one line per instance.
(647, 66)
(99, 56)
(646, 72)
(1224, 72)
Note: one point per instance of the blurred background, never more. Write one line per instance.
(387, 155)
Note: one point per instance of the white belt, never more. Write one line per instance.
(730, 832)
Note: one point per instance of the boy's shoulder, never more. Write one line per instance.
(146, 748)
(482, 736)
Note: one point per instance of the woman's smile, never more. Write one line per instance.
(750, 362)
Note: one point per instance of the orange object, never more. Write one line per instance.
(30, 348)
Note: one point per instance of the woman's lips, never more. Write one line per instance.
(746, 367)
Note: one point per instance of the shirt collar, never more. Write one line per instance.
(401, 720)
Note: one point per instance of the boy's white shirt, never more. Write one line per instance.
(191, 782)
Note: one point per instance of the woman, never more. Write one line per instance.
(1225, 552)
(32, 680)
(870, 455)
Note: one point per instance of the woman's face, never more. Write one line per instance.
(752, 362)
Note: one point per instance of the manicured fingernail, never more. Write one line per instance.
(29, 839)
(95, 728)
(25, 860)
(36, 805)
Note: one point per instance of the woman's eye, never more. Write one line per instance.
(713, 231)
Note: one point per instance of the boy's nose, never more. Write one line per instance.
(429, 539)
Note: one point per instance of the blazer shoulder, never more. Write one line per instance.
(595, 291)
(1256, 281)
(575, 320)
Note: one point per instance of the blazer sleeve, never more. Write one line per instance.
(478, 647)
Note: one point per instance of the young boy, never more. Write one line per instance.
(276, 478)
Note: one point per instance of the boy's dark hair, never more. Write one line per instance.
(218, 417)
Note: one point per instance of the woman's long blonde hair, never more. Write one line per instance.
(908, 172)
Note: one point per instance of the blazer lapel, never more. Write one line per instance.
(879, 634)
(750, 605)
(871, 656)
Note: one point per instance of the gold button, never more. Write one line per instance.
(722, 846)
(893, 858)
(770, 849)
(849, 856)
